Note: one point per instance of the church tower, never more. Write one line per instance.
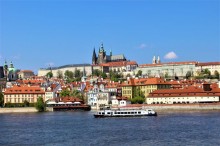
(158, 60)
(154, 61)
(6, 70)
(101, 55)
(94, 58)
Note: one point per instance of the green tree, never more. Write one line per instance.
(138, 92)
(104, 75)
(96, 72)
(59, 74)
(137, 100)
(49, 74)
(139, 73)
(216, 74)
(188, 74)
(1, 99)
(166, 75)
(65, 93)
(77, 73)
(78, 94)
(207, 72)
(26, 103)
(115, 76)
(40, 105)
(68, 74)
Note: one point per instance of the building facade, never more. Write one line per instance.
(62, 69)
(18, 94)
(146, 85)
(211, 66)
(171, 69)
(192, 94)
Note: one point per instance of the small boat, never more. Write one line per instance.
(125, 113)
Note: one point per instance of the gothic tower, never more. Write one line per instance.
(94, 58)
(101, 55)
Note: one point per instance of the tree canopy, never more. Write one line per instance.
(40, 105)
(59, 74)
(49, 74)
(1, 99)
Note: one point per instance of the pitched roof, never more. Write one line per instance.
(144, 81)
(168, 63)
(24, 90)
(119, 63)
(190, 91)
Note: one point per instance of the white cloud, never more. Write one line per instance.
(170, 55)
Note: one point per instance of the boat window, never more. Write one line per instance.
(132, 112)
(129, 112)
(139, 112)
(108, 112)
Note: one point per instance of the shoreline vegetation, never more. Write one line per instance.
(160, 108)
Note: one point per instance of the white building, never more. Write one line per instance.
(170, 69)
(192, 94)
(211, 66)
(71, 67)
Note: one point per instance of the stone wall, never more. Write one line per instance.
(18, 110)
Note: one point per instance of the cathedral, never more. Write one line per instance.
(104, 58)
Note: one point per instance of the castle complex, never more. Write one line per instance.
(104, 58)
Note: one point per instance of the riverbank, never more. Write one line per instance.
(175, 107)
(157, 107)
(18, 110)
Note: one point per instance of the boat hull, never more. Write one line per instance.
(123, 115)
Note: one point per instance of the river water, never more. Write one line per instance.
(82, 129)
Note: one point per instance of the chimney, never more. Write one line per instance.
(206, 87)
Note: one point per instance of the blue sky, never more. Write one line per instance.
(36, 33)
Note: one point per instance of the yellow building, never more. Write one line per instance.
(18, 94)
(146, 85)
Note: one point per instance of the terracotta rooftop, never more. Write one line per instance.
(24, 90)
(168, 63)
(188, 91)
(120, 63)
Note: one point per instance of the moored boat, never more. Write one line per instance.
(125, 113)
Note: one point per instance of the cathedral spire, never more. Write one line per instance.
(94, 58)
(102, 48)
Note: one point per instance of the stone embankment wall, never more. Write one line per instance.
(210, 106)
(18, 110)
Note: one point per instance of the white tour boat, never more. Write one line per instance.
(125, 113)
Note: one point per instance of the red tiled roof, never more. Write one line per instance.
(71, 99)
(208, 63)
(168, 63)
(24, 90)
(120, 63)
(189, 91)
(144, 81)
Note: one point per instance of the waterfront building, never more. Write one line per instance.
(146, 85)
(100, 94)
(72, 67)
(24, 74)
(211, 66)
(51, 91)
(20, 93)
(205, 93)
